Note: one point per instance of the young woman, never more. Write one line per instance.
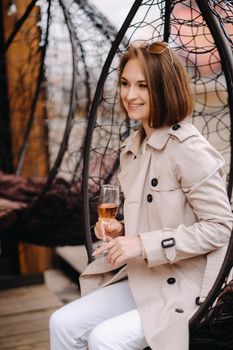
(163, 260)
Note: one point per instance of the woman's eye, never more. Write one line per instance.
(143, 86)
(124, 83)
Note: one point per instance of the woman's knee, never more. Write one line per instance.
(95, 340)
(99, 339)
(62, 321)
(56, 321)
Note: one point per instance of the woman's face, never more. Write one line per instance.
(134, 92)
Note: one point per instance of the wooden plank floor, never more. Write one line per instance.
(24, 316)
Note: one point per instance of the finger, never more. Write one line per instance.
(108, 238)
(97, 232)
(112, 250)
(119, 261)
(113, 225)
(103, 248)
(100, 250)
(112, 257)
(101, 226)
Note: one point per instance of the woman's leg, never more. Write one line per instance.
(71, 325)
(123, 332)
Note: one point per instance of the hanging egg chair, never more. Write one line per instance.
(201, 32)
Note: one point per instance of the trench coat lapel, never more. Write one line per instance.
(137, 179)
(132, 185)
(130, 178)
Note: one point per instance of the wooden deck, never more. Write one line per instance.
(24, 316)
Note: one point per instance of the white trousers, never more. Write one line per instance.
(106, 319)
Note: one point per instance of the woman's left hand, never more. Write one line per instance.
(120, 249)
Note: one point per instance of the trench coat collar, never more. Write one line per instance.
(157, 140)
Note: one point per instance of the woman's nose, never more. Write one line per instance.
(132, 93)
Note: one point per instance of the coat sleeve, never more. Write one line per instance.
(199, 169)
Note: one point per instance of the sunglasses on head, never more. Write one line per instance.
(157, 47)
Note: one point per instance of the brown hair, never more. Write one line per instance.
(170, 92)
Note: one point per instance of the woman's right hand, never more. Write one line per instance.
(109, 230)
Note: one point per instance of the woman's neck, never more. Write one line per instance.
(147, 129)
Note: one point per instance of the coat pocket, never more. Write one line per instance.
(162, 177)
(163, 183)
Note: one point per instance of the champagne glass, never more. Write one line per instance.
(108, 203)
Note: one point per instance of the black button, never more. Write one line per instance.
(154, 182)
(197, 301)
(180, 311)
(171, 280)
(175, 127)
(149, 198)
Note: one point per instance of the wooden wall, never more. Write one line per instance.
(22, 65)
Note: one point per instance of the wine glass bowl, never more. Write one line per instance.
(108, 202)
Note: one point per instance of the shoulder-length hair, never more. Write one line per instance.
(170, 91)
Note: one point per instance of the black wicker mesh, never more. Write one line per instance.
(215, 329)
(74, 39)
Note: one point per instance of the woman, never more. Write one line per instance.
(177, 221)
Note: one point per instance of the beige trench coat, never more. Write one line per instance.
(175, 198)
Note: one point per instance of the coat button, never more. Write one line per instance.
(149, 198)
(154, 182)
(198, 302)
(175, 127)
(180, 311)
(171, 280)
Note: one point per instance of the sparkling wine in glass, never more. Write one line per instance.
(108, 203)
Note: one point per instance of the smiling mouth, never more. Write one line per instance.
(135, 106)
